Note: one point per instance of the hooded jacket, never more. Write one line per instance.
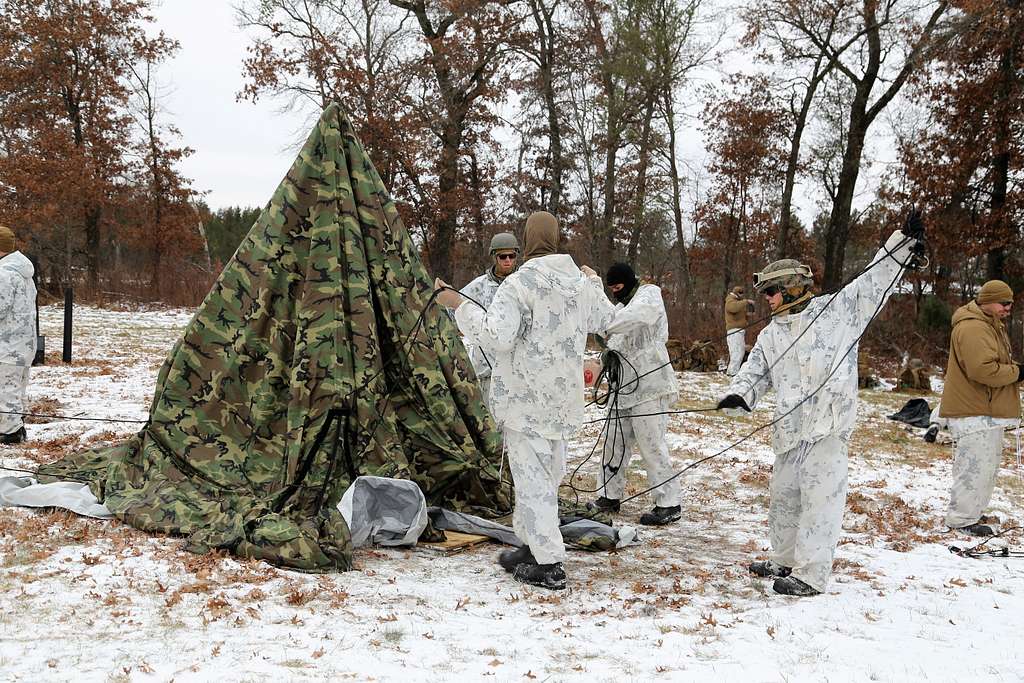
(535, 332)
(639, 332)
(17, 310)
(796, 353)
(981, 378)
(481, 290)
(735, 312)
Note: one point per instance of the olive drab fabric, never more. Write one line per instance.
(914, 377)
(317, 356)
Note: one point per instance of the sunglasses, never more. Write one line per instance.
(771, 291)
(506, 257)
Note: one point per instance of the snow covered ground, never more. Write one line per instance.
(87, 600)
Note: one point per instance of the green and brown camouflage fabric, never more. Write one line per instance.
(317, 356)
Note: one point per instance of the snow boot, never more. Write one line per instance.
(660, 516)
(605, 504)
(768, 569)
(977, 529)
(14, 437)
(550, 576)
(510, 559)
(790, 585)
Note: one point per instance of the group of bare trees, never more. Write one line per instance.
(482, 110)
(87, 165)
(695, 138)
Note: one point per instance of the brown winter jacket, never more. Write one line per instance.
(981, 378)
(736, 311)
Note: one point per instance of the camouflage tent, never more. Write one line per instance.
(316, 357)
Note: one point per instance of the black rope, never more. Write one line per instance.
(834, 295)
(73, 417)
(36, 473)
(976, 551)
(803, 400)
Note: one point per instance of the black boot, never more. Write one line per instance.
(790, 585)
(510, 559)
(14, 437)
(767, 569)
(605, 504)
(550, 576)
(660, 516)
(977, 529)
(932, 432)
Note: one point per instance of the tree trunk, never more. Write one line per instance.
(838, 230)
(640, 204)
(677, 210)
(996, 257)
(546, 57)
(604, 238)
(793, 161)
(92, 245)
(447, 217)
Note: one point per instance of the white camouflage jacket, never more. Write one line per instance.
(639, 332)
(17, 310)
(797, 372)
(481, 290)
(537, 327)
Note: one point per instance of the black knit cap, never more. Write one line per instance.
(620, 274)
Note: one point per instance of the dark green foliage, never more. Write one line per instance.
(935, 315)
(226, 228)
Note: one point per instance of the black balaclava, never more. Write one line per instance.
(622, 274)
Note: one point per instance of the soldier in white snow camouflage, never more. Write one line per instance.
(481, 290)
(648, 386)
(17, 336)
(537, 327)
(808, 354)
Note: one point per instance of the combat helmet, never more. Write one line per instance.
(786, 273)
(504, 240)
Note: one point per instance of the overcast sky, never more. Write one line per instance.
(242, 150)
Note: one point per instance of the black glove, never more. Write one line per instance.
(914, 226)
(1020, 372)
(733, 401)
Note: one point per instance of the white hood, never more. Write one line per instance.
(18, 263)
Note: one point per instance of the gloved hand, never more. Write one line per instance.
(913, 226)
(733, 401)
(1020, 372)
(612, 366)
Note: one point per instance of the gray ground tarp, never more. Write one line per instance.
(378, 510)
(67, 495)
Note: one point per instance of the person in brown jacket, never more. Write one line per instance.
(736, 308)
(979, 400)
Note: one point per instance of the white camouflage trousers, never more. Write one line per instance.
(805, 515)
(13, 385)
(976, 458)
(646, 434)
(538, 466)
(737, 342)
